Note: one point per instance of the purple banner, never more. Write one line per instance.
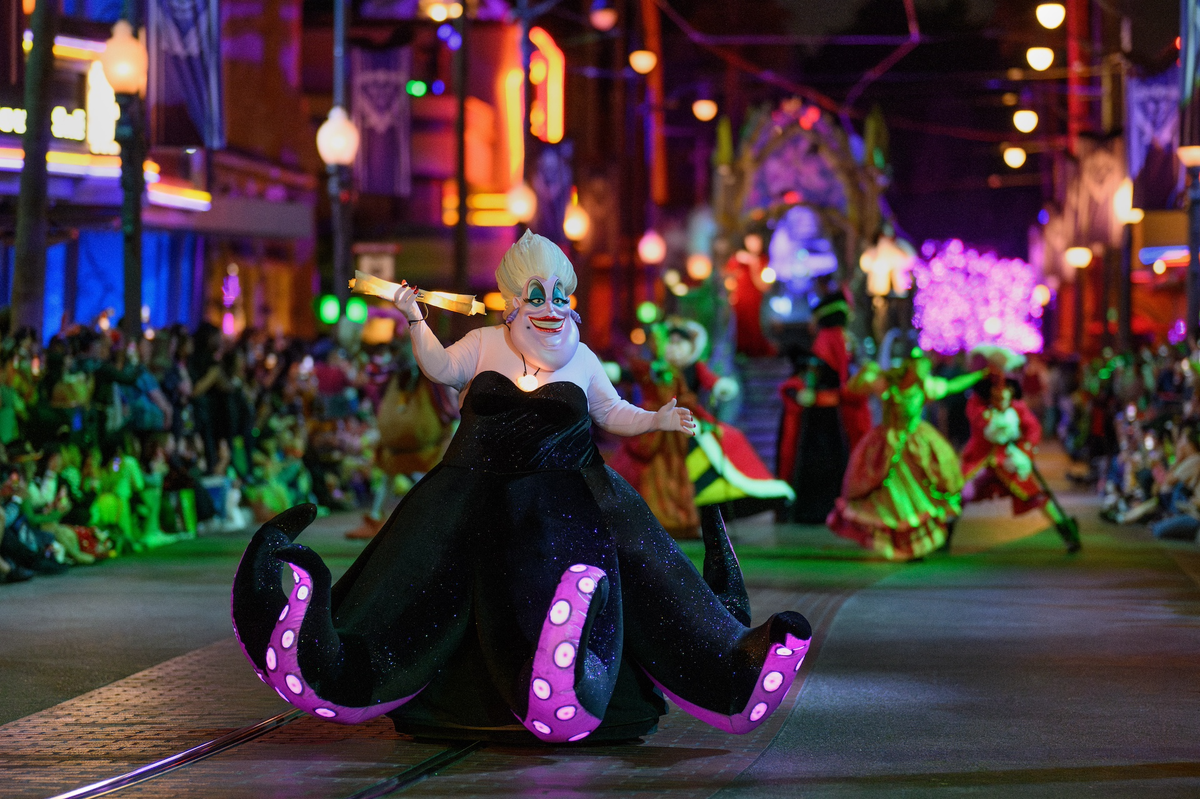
(1151, 138)
(185, 73)
(380, 109)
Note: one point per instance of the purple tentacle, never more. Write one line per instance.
(283, 667)
(555, 714)
(777, 675)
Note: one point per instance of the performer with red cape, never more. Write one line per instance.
(998, 458)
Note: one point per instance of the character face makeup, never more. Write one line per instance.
(543, 330)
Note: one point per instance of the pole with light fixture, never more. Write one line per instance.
(337, 144)
(1189, 156)
(125, 64)
(1078, 259)
(1127, 216)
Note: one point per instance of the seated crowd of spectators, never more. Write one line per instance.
(1134, 421)
(110, 446)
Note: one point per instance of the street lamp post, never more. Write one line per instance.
(1190, 158)
(1078, 258)
(337, 144)
(125, 62)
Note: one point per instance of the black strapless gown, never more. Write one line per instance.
(453, 613)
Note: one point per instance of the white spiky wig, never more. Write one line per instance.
(532, 256)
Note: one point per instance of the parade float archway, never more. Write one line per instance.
(794, 156)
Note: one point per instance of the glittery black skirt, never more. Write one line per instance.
(447, 602)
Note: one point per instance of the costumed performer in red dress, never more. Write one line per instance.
(903, 485)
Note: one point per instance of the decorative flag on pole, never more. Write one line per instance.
(185, 73)
(1151, 137)
(380, 108)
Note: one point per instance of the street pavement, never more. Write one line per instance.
(1005, 668)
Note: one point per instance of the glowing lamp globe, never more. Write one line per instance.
(1014, 157)
(1123, 204)
(124, 61)
(699, 266)
(337, 138)
(1160, 267)
(438, 12)
(1189, 156)
(768, 275)
(1025, 120)
(652, 248)
(1051, 15)
(602, 16)
(1041, 294)
(576, 223)
(1040, 58)
(643, 61)
(1078, 257)
(704, 110)
(521, 202)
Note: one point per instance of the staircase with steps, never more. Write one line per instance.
(761, 405)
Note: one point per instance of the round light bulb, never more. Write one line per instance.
(576, 223)
(1041, 295)
(672, 277)
(1078, 257)
(768, 275)
(643, 61)
(337, 138)
(527, 382)
(1188, 155)
(438, 12)
(704, 110)
(1025, 120)
(1040, 58)
(125, 60)
(1014, 157)
(1051, 15)
(1160, 267)
(699, 266)
(603, 19)
(652, 248)
(521, 202)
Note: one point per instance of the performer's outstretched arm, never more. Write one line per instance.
(938, 387)
(453, 366)
(617, 416)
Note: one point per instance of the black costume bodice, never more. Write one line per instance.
(505, 429)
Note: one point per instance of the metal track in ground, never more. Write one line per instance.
(184, 758)
(421, 771)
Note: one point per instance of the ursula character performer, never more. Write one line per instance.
(998, 458)
(680, 473)
(903, 484)
(521, 587)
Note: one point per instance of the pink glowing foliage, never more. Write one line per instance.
(965, 298)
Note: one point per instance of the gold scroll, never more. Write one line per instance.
(465, 304)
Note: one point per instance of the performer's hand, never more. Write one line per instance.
(406, 302)
(675, 420)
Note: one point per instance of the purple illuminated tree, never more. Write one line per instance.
(965, 298)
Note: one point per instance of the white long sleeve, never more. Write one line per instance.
(606, 407)
(453, 366)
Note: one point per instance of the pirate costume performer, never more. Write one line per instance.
(998, 458)
(521, 590)
(903, 483)
(678, 474)
(822, 420)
